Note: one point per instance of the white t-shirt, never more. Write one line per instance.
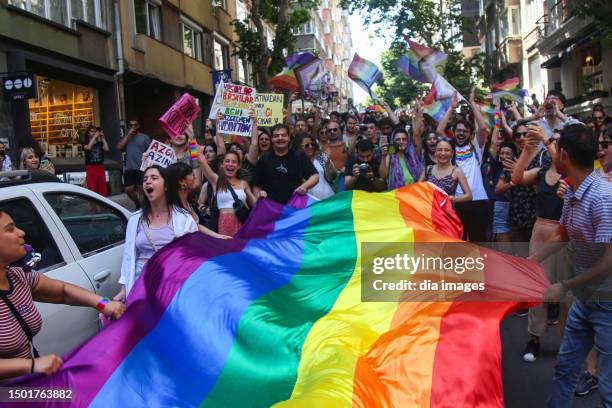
(468, 159)
(322, 189)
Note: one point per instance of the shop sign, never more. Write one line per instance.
(19, 87)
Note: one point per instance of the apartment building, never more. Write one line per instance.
(328, 35)
(576, 59)
(68, 46)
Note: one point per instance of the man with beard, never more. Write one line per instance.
(283, 171)
(335, 149)
(475, 215)
(351, 133)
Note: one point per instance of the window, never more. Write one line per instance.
(515, 21)
(192, 39)
(93, 225)
(147, 16)
(221, 55)
(26, 218)
(241, 10)
(66, 11)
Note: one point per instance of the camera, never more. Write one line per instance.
(364, 168)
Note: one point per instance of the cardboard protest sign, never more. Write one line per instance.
(235, 103)
(269, 108)
(158, 153)
(184, 111)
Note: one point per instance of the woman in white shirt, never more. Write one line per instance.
(325, 167)
(161, 220)
(223, 184)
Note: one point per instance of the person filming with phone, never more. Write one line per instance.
(362, 169)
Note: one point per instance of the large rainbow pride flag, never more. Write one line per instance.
(275, 318)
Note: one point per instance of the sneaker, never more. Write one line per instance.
(586, 384)
(531, 351)
(521, 312)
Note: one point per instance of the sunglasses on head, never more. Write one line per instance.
(605, 144)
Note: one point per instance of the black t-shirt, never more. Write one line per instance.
(362, 183)
(96, 154)
(279, 176)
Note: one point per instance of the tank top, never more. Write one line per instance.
(548, 205)
(225, 199)
(446, 183)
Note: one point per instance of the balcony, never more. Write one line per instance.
(511, 51)
(561, 30)
(534, 36)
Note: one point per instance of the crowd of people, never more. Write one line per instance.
(528, 178)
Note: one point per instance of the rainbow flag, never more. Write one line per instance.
(511, 84)
(364, 73)
(275, 317)
(488, 112)
(291, 78)
(409, 65)
(507, 89)
(434, 107)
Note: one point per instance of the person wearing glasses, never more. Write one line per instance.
(599, 117)
(550, 114)
(135, 143)
(325, 167)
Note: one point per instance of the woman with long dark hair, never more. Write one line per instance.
(400, 164)
(181, 175)
(445, 174)
(226, 185)
(161, 220)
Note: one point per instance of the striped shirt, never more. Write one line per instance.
(587, 218)
(13, 340)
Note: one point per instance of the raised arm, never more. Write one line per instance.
(390, 112)
(418, 127)
(253, 153)
(483, 130)
(441, 129)
(208, 173)
(219, 137)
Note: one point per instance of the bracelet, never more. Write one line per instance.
(32, 366)
(102, 304)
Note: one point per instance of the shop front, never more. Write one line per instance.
(71, 97)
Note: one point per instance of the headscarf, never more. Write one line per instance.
(405, 167)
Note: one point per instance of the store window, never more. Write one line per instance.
(148, 18)
(221, 55)
(192, 39)
(60, 115)
(66, 12)
(534, 72)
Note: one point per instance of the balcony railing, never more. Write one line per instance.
(559, 13)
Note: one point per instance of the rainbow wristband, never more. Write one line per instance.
(102, 304)
(193, 149)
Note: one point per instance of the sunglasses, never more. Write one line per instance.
(518, 135)
(605, 144)
(308, 146)
(333, 129)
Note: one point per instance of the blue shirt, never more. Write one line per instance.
(587, 218)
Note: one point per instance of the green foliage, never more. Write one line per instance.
(251, 41)
(428, 23)
(600, 11)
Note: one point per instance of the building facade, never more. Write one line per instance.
(577, 61)
(328, 35)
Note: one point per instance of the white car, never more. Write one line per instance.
(80, 235)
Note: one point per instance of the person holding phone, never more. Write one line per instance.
(95, 145)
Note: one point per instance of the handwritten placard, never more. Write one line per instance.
(234, 102)
(269, 108)
(184, 111)
(158, 153)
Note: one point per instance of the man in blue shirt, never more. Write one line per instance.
(586, 222)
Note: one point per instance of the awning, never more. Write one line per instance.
(553, 62)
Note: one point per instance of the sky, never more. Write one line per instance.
(367, 48)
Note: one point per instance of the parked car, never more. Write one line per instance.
(80, 235)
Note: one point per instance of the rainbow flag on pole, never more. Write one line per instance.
(409, 65)
(275, 317)
(434, 107)
(364, 73)
(299, 70)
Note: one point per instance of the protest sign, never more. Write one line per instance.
(269, 108)
(184, 111)
(235, 103)
(158, 153)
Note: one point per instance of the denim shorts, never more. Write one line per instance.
(500, 217)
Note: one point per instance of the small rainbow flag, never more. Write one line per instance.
(275, 317)
(507, 89)
(510, 84)
(285, 80)
(364, 73)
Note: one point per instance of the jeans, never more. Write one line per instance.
(587, 324)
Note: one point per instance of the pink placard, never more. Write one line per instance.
(184, 111)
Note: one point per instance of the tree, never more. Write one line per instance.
(601, 13)
(432, 23)
(283, 17)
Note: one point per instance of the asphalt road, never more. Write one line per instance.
(527, 385)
